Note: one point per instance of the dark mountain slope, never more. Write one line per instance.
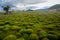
(57, 6)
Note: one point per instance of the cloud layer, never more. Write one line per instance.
(31, 3)
(23, 1)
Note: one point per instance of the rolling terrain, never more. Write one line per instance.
(30, 25)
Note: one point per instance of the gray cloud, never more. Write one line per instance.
(31, 1)
(23, 1)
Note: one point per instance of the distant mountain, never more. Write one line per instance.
(57, 6)
(30, 7)
(43, 9)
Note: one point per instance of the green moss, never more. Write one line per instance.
(34, 36)
(21, 38)
(30, 25)
(10, 37)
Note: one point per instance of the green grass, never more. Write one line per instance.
(30, 25)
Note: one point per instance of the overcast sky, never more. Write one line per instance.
(35, 3)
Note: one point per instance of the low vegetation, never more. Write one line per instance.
(30, 25)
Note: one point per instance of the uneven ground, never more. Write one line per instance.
(30, 25)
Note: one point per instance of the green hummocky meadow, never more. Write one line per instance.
(30, 25)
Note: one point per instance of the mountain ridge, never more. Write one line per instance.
(57, 6)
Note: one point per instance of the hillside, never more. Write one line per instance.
(30, 25)
(57, 6)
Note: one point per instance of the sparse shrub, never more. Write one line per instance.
(52, 37)
(34, 36)
(45, 39)
(42, 34)
(15, 28)
(10, 37)
(1, 28)
(30, 24)
(26, 36)
(1, 23)
(6, 27)
(28, 27)
(18, 34)
(21, 38)
(27, 31)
